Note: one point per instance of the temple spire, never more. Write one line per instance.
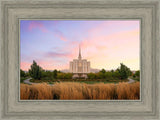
(79, 57)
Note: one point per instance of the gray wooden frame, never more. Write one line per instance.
(14, 10)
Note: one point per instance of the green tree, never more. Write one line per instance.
(55, 74)
(35, 71)
(22, 73)
(91, 76)
(67, 75)
(112, 71)
(49, 75)
(43, 74)
(101, 75)
(108, 75)
(137, 73)
(103, 71)
(116, 75)
(27, 74)
(60, 75)
(124, 71)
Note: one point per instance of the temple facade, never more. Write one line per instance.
(79, 67)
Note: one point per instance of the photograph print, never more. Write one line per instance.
(79, 59)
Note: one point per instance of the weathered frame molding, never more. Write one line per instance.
(145, 10)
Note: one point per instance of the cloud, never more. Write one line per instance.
(38, 25)
(25, 65)
(41, 26)
(53, 55)
(60, 35)
(51, 64)
(55, 23)
(105, 45)
(108, 50)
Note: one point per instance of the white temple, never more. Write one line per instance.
(79, 67)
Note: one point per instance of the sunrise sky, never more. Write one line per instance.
(106, 44)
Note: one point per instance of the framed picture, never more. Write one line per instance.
(80, 59)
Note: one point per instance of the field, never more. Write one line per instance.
(79, 91)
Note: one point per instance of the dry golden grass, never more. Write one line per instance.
(79, 91)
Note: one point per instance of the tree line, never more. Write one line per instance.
(36, 72)
(122, 72)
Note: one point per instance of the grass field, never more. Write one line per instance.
(79, 91)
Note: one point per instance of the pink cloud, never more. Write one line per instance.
(108, 41)
(40, 26)
(102, 49)
(109, 50)
(35, 24)
(25, 66)
(60, 35)
(50, 64)
(56, 54)
(55, 23)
